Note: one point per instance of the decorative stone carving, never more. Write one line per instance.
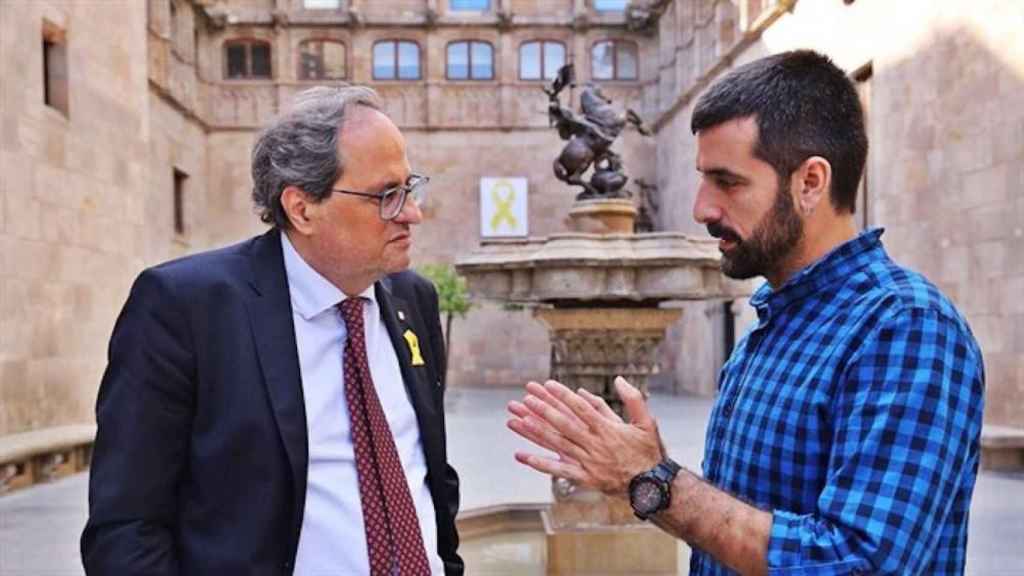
(280, 18)
(590, 346)
(430, 17)
(505, 19)
(647, 203)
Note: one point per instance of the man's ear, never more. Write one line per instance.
(298, 206)
(813, 182)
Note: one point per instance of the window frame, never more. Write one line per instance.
(299, 68)
(56, 76)
(469, 60)
(180, 179)
(248, 43)
(593, 6)
(397, 42)
(302, 4)
(488, 8)
(542, 42)
(616, 43)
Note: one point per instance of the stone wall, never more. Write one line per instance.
(946, 167)
(73, 227)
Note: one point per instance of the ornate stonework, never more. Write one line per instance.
(591, 346)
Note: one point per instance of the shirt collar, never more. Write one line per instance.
(834, 267)
(311, 293)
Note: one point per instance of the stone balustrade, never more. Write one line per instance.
(27, 458)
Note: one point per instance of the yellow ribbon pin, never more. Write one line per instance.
(503, 205)
(414, 347)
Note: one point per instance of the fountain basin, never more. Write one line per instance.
(571, 268)
(520, 539)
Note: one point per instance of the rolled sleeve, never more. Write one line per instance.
(793, 538)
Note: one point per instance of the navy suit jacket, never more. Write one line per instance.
(200, 460)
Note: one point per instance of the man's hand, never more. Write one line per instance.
(595, 447)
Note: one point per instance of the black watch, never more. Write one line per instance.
(651, 492)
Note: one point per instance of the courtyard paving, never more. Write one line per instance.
(39, 527)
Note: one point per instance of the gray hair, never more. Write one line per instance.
(300, 148)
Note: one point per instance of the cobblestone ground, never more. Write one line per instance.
(39, 527)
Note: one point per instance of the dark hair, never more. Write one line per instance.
(300, 148)
(804, 106)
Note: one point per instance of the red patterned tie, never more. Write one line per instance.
(393, 537)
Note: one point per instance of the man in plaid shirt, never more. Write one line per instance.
(845, 437)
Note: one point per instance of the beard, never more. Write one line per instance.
(774, 238)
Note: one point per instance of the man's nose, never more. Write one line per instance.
(704, 209)
(410, 213)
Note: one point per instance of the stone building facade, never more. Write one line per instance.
(150, 159)
(144, 154)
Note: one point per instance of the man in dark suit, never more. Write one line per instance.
(275, 407)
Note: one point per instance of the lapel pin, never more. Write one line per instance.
(401, 316)
(414, 347)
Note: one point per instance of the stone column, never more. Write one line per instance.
(589, 532)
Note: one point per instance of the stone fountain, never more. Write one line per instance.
(605, 295)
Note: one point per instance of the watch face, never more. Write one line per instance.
(646, 496)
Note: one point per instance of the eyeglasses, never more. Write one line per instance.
(393, 199)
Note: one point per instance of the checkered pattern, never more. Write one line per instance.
(393, 537)
(853, 412)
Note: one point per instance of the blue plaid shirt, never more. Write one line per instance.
(852, 412)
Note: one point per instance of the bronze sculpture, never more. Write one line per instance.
(590, 137)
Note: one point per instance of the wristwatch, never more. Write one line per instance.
(651, 491)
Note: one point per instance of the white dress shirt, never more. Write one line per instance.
(333, 538)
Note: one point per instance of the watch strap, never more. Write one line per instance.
(666, 470)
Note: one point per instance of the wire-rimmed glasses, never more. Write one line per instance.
(393, 199)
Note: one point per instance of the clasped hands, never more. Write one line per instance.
(595, 447)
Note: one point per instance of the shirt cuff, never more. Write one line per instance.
(792, 544)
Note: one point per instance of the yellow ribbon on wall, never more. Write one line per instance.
(503, 205)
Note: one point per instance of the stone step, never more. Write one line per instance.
(1002, 448)
(27, 458)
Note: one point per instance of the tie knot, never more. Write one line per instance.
(352, 312)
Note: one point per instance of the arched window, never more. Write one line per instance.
(246, 59)
(470, 60)
(540, 59)
(613, 60)
(396, 60)
(321, 60)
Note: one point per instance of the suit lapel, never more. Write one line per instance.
(270, 316)
(416, 382)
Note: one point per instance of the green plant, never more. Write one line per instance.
(453, 298)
